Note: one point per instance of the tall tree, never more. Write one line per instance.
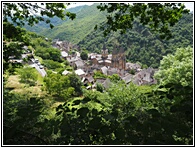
(15, 15)
(28, 75)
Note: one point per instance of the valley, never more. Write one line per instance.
(72, 85)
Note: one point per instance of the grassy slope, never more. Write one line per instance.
(76, 30)
(72, 30)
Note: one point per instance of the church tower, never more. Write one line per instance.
(118, 59)
(104, 53)
(122, 59)
(114, 58)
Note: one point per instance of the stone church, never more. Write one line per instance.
(118, 59)
(115, 60)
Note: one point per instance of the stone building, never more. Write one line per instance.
(115, 60)
(118, 59)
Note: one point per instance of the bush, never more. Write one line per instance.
(84, 55)
(50, 64)
(99, 87)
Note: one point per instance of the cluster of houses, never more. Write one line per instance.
(108, 64)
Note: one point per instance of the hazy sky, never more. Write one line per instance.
(189, 5)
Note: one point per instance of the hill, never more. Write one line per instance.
(140, 44)
(74, 31)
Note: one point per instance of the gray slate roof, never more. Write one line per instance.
(104, 70)
(127, 78)
(79, 63)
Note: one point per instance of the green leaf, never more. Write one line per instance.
(59, 112)
(82, 112)
(120, 133)
(76, 102)
(95, 123)
(105, 130)
(154, 112)
(55, 130)
(86, 100)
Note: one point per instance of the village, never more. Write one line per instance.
(107, 64)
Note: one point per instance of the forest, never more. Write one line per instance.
(58, 110)
(140, 43)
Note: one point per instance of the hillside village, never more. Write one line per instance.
(107, 64)
(78, 85)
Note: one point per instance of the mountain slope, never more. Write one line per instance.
(74, 31)
(140, 44)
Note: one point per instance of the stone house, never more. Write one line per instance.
(145, 77)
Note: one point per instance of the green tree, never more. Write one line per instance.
(16, 15)
(21, 117)
(48, 53)
(99, 87)
(84, 55)
(144, 66)
(76, 83)
(175, 89)
(159, 17)
(114, 78)
(98, 74)
(28, 75)
(14, 38)
(50, 64)
(177, 68)
(21, 13)
(58, 85)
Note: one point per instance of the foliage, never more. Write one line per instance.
(58, 85)
(140, 44)
(99, 87)
(121, 115)
(114, 78)
(176, 90)
(177, 68)
(50, 64)
(21, 13)
(48, 53)
(39, 41)
(98, 74)
(84, 55)
(159, 17)
(14, 38)
(21, 119)
(44, 49)
(28, 75)
(87, 18)
(76, 83)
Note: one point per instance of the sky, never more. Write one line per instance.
(189, 5)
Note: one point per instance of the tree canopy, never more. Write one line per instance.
(16, 15)
(32, 13)
(178, 68)
(160, 114)
(158, 16)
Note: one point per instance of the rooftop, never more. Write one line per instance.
(79, 72)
